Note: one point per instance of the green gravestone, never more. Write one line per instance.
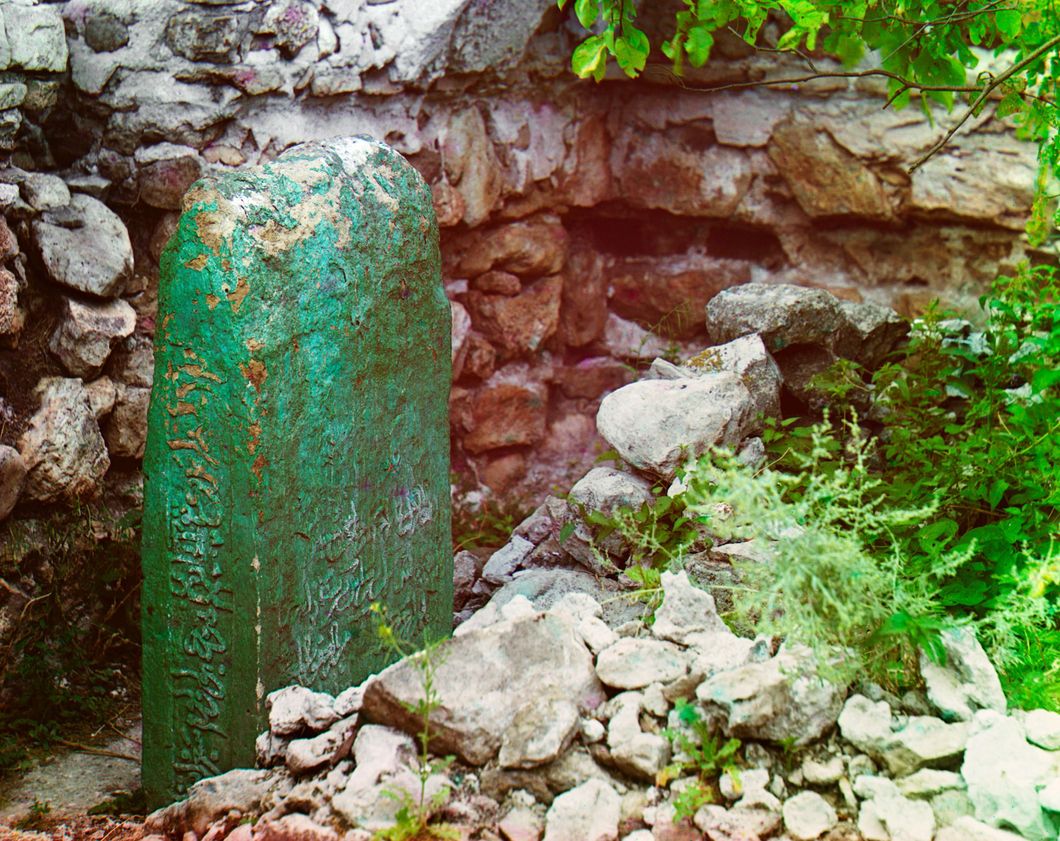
(297, 464)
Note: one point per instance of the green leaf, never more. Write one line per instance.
(589, 58)
(566, 531)
(631, 51)
(587, 11)
(1009, 22)
(698, 44)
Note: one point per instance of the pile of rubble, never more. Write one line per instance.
(573, 714)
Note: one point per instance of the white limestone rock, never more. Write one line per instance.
(808, 816)
(306, 756)
(639, 754)
(294, 710)
(589, 812)
(540, 731)
(966, 683)
(782, 314)
(1004, 775)
(686, 610)
(1043, 728)
(503, 563)
(657, 425)
(635, 663)
(483, 679)
(606, 490)
(95, 257)
(87, 333)
(970, 829)
(782, 699)
(748, 358)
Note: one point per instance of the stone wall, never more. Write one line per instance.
(584, 226)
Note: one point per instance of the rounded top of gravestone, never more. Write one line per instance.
(281, 203)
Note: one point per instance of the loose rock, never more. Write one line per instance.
(93, 256)
(62, 448)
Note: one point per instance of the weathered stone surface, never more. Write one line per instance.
(62, 448)
(924, 741)
(668, 294)
(518, 324)
(296, 709)
(592, 377)
(868, 333)
(969, 829)
(628, 340)
(606, 490)
(484, 678)
(306, 756)
(102, 394)
(636, 663)
(383, 774)
(12, 478)
(920, 740)
(866, 724)
(657, 425)
(748, 358)
(782, 314)
(583, 309)
(506, 560)
(200, 35)
(36, 37)
(87, 333)
(104, 32)
(1004, 775)
(676, 171)
(473, 178)
(165, 172)
(11, 315)
(783, 698)
(125, 431)
(889, 815)
(45, 192)
(825, 178)
(293, 827)
(540, 731)
(966, 683)
(95, 256)
(293, 23)
(262, 497)
(639, 754)
(737, 824)
(529, 248)
(1043, 728)
(508, 410)
(241, 790)
(686, 611)
(807, 816)
(589, 812)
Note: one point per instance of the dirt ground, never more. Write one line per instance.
(52, 800)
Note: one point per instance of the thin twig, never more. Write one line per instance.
(983, 95)
(97, 751)
(838, 74)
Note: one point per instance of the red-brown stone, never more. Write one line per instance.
(519, 324)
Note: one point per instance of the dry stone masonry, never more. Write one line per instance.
(297, 451)
(584, 226)
(561, 703)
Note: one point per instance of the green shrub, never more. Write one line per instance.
(949, 514)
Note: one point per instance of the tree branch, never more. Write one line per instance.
(983, 95)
